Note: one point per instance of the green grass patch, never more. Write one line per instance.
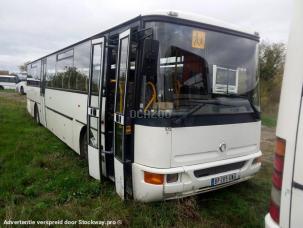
(7, 91)
(42, 179)
(269, 120)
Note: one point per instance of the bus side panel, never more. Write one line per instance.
(8, 85)
(289, 108)
(297, 207)
(33, 96)
(297, 190)
(60, 126)
(77, 127)
(28, 106)
(66, 115)
(298, 169)
(71, 104)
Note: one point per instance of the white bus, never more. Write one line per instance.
(8, 82)
(166, 105)
(287, 180)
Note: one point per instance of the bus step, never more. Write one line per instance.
(112, 178)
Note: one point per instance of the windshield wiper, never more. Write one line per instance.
(197, 108)
(246, 98)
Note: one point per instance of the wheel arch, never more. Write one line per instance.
(82, 134)
(36, 107)
(36, 112)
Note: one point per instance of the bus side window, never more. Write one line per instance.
(50, 70)
(131, 77)
(80, 73)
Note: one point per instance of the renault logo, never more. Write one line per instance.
(222, 147)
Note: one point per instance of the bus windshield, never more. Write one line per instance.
(201, 70)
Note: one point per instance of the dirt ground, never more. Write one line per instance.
(268, 143)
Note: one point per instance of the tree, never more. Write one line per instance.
(23, 67)
(271, 58)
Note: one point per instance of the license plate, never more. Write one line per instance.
(223, 179)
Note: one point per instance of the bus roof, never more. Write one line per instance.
(202, 19)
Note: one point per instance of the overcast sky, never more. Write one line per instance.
(33, 28)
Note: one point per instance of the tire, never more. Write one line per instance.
(1, 88)
(36, 115)
(83, 146)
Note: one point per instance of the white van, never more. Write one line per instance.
(8, 82)
(287, 181)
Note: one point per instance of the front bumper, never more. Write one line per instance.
(188, 184)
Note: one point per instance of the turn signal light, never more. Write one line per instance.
(279, 163)
(280, 147)
(257, 160)
(153, 178)
(277, 179)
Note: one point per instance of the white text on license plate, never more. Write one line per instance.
(223, 179)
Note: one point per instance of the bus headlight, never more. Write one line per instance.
(171, 178)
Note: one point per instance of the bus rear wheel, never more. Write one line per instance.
(83, 146)
(22, 90)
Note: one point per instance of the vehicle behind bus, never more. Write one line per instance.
(21, 84)
(287, 180)
(166, 105)
(8, 82)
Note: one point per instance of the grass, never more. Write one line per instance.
(7, 90)
(269, 120)
(42, 179)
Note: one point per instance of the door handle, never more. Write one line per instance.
(118, 118)
(93, 112)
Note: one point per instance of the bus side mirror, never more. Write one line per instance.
(150, 59)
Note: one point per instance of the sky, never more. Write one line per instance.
(33, 28)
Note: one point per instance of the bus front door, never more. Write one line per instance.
(94, 109)
(122, 127)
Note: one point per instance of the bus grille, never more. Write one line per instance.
(218, 169)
